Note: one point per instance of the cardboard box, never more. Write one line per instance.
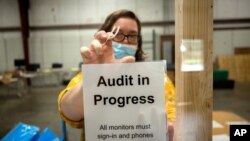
(222, 121)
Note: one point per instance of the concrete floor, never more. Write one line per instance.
(39, 107)
(236, 100)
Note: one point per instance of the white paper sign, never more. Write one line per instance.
(124, 102)
(192, 58)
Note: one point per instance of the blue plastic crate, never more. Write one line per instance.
(22, 132)
(47, 135)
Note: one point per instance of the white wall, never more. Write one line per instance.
(56, 12)
(47, 47)
(231, 9)
(9, 13)
(11, 48)
(59, 46)
(225, 41)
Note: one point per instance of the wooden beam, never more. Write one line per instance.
(24, 19)
(194, 20)
(10, 29)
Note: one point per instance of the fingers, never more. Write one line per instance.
(170, 130)
(101, 51)
(101, 42)
(127, 59)
(96, 46)
(97, 53)
(102, 36)
(86, 54)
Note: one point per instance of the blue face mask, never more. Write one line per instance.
(123, 50)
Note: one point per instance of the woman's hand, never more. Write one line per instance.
(170, 130)
(101, 51)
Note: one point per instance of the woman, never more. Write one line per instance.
(125, 47)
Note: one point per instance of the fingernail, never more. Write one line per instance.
(105, 36)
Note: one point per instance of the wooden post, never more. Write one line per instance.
(194, 20)
(24, 18)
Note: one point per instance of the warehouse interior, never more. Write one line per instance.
(49, 34)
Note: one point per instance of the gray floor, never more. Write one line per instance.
(236, 100)
(39, 107)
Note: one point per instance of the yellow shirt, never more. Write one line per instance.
(169, 98)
